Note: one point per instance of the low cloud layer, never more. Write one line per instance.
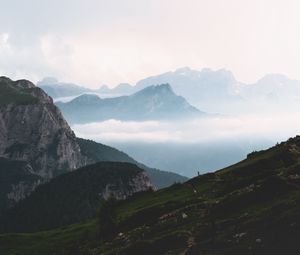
(276, 128)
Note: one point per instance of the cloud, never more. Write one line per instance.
(49, 55)
(100, 41)
(276, 128)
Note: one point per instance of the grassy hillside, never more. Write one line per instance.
(12, 94)
(12, 172)
(71, 197)
(100, 152)
(252, 207)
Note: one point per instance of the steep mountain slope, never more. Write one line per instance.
(37, 144)
(151, 103)
(249, 208)
(97, 152)
(74, 196)
(16, 182)
(32, 129)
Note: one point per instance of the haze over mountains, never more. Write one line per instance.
(240, 117)
(219, 91)
(56, 89)
(151, 103)
(37, 144)
(210, 91)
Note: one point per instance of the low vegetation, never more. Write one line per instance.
(249, 208)
(69, 198)
(11, 94)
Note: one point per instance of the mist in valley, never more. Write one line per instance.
(186, 147)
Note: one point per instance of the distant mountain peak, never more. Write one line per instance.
(156, 89)
(183, 70)
(151, 103)
(273, 78)
(49, 80)
(86, 98)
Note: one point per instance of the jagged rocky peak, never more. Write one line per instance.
(33, 129)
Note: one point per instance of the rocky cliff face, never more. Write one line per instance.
(36, 132)
(37, 144)
(140, 182)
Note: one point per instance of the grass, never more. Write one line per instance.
(220, 213)
(12, 94)
(46, 242)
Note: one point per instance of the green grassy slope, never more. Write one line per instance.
(12, 172)
(9, 93)
(249, 208)
(100, 152)
(69, 198)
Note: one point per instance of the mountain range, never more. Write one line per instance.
(52, 184)
(151, 103)
(37, 144)
(212, 91)
(57, 89)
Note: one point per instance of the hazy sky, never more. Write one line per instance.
(95, 42)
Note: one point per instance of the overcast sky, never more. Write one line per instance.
(95, 42)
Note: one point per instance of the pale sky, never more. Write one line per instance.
(95, 42)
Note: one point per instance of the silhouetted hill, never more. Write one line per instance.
(74, 196)
(96, 152)
(248, 208)
(15, 175)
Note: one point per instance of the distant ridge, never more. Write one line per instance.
(37, 144)
(155, 102)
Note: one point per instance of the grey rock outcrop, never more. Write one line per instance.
(37, 133)
(37, 144)
(140, 182)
